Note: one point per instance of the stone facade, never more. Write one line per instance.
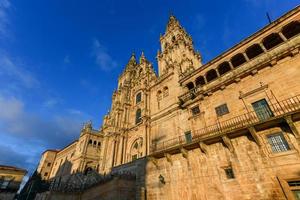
(227, 129)
(10, 180)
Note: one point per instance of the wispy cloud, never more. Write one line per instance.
(102, 57)
(15, 71)
(16, 121)
(4, 20)
(51, 102)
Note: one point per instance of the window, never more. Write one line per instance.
(134, 157)
(46, 174)
(229, 173)
(295, 188)
(222, 110)
(278, 143)
(188, 136)
(4, 184)
(95, 143)
(200, 81)
(190, 85)
(99, 144)
(272, 40)
(195, 110)
(138, 116)
(48, 164)
(138, 98)
(159, 95)
(136, 149)
(238, 60)
(291, 29)
(294, 183)
(211, 75)
(135, 145)
(254, 51)
(262, 109)
(224, 68)
(90, 142)
(166, 91)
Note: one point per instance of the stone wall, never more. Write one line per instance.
(202, 176)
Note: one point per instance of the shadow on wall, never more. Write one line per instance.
(64, 169)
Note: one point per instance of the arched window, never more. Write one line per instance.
(166, 91)
(138, 98)
(211, 75)
(238, 60)
(190, 85)
(136, 149)
(138, 116)
(95, 143)
(200, 81)
(291, 29)
(88, 170)
(254, 51)
(272, 40)
(99, 144)
(159, 95)
(90, 142)
(223, 68)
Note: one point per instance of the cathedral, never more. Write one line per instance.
(225, 129)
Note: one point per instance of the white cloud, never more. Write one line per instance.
(51, 131)
(103, 59)
(11, 108)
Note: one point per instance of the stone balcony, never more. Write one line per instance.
(246, 123)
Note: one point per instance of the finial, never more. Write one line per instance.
(142, 58)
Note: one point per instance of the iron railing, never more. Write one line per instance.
(259, 115)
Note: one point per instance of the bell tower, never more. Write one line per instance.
(177, 50)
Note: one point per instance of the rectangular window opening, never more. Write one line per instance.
(195, 110)
(229, 173)
(278, 143)
(222, 110)
(262, 109)
(188, 136)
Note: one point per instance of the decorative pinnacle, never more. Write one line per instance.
(142, 58)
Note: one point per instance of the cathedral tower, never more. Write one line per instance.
(177, 50)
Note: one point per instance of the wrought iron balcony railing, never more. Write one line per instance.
(259, 115)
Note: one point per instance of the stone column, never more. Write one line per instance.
(263, 47)
(282, 36)
(246, 57)
(230, 64)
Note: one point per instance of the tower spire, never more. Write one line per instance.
(132, 62)
(173, 23)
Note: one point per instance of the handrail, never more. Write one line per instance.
(247, 119)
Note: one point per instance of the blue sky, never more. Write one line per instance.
(60, 59)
